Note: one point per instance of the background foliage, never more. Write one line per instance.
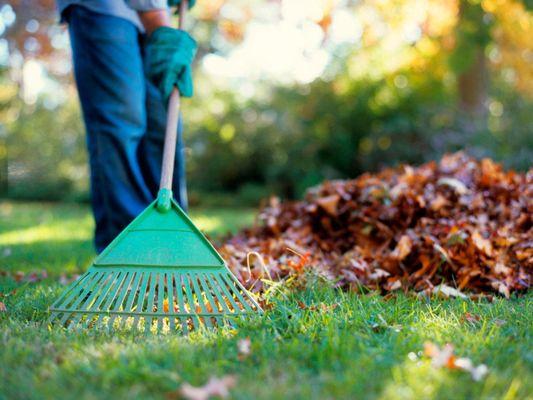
(290, 93)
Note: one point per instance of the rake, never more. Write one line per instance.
(160, 274)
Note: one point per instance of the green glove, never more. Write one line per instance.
(172, 3)
(169, 55)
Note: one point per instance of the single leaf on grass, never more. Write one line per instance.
(215, 387)
(440, 357)
(65, 280)
(244, 348)
(3, 307)
(36, 277)
(477, 373)
(322, 307)
(19, 276)
(472, 318)
(448, 291)
(445, 358)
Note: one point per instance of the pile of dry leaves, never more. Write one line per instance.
(458, 223)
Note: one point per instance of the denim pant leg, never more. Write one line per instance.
(108, 67)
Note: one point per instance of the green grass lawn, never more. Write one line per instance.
(313, 343)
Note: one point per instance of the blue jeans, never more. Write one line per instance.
(125, 119)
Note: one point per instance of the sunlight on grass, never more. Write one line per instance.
(78, 229)
(58, 237)
(207, 224)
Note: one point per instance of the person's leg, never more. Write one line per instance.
(151, 149)
(111, 84)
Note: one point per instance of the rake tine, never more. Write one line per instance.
(75, 290)
(236, 290)
(104, 292)
(123, 292)
(95, 292)
(141, 298)
(181, 304)
(207, 292)
(192, 307)
(161, 301)
(199, 297)
(243, 291)
(149, 320)
(218, 295)
(117, 282)
(70, 290)
(234, 304)
(170, 293)
(133, 292)
(100, 299)
(84, 290)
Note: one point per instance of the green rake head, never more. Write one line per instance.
(160, 274)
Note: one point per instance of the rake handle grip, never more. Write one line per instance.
(171, 133)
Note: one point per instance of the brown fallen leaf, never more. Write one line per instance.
(438, 202)
(329, 204)
(403, 248)
(33, 277)
(502, 288)
(65, 280)
(481, 243)
(3, 307)
(470, 318)
(459, 187)
(19, 276)
(322, 307)
(215, 387)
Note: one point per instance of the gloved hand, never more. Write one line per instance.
(169, 55)
(172, 3)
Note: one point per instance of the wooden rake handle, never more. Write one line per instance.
(173, 112)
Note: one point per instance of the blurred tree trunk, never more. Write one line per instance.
(473, 86)
(3, 171)
(469, 60)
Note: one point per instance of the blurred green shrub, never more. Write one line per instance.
(340, 128)
(299, 137)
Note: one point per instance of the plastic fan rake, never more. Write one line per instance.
(160, 273)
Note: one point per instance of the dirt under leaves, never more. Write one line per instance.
(457, 223)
